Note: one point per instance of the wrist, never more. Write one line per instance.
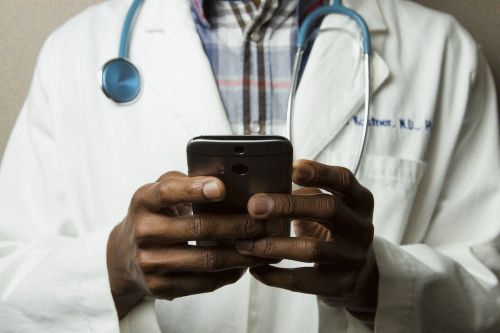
(365, 308)
(362, 302)
(125, 289)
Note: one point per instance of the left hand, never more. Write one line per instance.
(334, 231)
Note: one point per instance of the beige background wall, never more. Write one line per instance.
(24, 24)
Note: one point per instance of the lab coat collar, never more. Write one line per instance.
(156, 19)
(337, 82)
(178, 77)
(370, 11)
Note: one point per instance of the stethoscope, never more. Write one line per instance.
(121, 80)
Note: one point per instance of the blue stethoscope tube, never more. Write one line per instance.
(121, 80)
(302, 38)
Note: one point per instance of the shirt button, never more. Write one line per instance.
(255, 127)
(256, 36)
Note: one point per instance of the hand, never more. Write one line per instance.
(334, 231)
(148, 253)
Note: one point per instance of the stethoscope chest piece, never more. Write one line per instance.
(121, 80)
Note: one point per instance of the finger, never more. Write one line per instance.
(330, 178)
(185, 284)
(307, 228)
(159, 230)
(191, 258)
(176, 190)
(307, 191)
(314, 207)
(326, 209)
(171, 174)
(309, 280)
(305, 249)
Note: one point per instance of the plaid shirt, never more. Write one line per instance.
(251, 52)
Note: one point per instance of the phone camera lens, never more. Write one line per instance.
(240, 150)
(239, 169)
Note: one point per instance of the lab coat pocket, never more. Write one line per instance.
(394, 182)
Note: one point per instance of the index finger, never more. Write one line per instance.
(176, 190)
(331, 178)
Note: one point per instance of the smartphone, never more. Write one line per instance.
(245, 164)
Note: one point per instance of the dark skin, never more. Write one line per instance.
(334, 231)
(148, 253)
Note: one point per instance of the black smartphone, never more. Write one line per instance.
(246, 165)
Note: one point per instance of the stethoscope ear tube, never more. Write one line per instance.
(364, 135)
(367, 105)
(293, 91)
(302, 40)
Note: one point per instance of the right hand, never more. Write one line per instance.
(148, 253)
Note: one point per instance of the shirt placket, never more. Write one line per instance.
(254, 69)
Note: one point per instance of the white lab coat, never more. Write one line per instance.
(75, 159)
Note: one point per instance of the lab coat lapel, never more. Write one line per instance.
(331, 90)
(177, 75)
(178, 78)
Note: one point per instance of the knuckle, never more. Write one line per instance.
(287, 205)
(136, 228)
(209, 261)
(313, 250)
(144, 262)
(346, 178)
(163, 190)
(170, 174)
(139, 198)
(202, 226)
(139, 233)
(143, 230)
(250, 227)
(330, 206)
(266, 246)
(196, 226)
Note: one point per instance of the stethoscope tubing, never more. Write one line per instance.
(127, 26)
(301, 44)
(125, 91)
(367, 104)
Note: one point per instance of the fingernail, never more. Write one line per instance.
(211, 190)
(262, 205)
(304, 173)
(244, 247)
(274, 228)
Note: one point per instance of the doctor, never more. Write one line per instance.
(77, 164)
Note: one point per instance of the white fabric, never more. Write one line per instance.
(75, 159)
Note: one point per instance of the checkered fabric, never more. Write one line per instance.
(251, 52)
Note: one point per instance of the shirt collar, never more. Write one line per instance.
(202, 9)
(154, 13)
